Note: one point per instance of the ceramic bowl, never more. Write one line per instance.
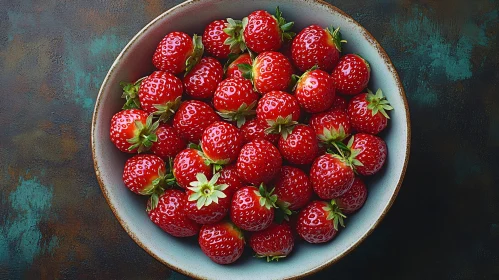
(184, 255)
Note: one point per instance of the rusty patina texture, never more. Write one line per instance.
(55, 223)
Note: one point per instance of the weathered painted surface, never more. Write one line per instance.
(55, 223)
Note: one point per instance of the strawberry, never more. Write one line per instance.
(170, 216)
(192, 118)
(258, 162)
(354, 198)
(223, 242)
(133, 131)
(255, 129)
(339, 103)
(207, 202)
(169, 143)
(293, 188)
(331, 127)
(233, 68)
(264, 32)
(369, 151)
(235, 100)
(300, 146)
(318, 222)
(221, 142)
(229, 176)
(270, 71)
(273, 243)
(331, 176)
(144, 174)
(214, 39)
(160, 93)
(202, 81)
(351, 74)
(178, 52)
(280, 110)
(187, 164)
(252, 208)
(317, 46)
(315, 91)
(367, 112)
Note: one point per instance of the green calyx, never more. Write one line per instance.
(167, 110)
(131, 94)
(283, 126)
(270, 258)
(236, 39)
(164, 181)
(246, 70)
(336, 37)
(346, 154)
(282, 212)
(267, 199)
(378, 103)
(196, 55)
(335, 214)
(284, 27)
(206, 192)
(240, 115)
(144, 135)
(332, 135)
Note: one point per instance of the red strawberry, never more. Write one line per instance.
(339, 103)
(367, 112)
(202, 81)
(318, 222)
(351, 74)
(187, 164)
(223, 243)
(270, 71)
(178, 52)
(301, 145)
(192, 118)
(170, 216)
(133, 131)
(354, 198)
(160, 93)
(293, 188)
(233, 68)
(315, 91)
(317, 46)
(207, 201)
(214, 39)
(229, 176)
(255, 129)
(252, 208)
(264, 32)
(258, 162)
(369, 151)
(280, 110)
(331, 176)
(331, 127)
(169, 143)
(144, 174)
(221, 142)
(273, 243)
(235, 100)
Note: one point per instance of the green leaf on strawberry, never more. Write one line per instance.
(206, 192)
(378, 103)
(144, 135)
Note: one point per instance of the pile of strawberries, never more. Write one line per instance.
(264, 149)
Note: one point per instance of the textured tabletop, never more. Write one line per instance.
(55, 223)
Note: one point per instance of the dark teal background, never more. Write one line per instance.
(55, 223)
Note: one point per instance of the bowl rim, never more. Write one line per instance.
(327, 263)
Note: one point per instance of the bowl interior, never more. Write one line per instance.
(184, 255)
